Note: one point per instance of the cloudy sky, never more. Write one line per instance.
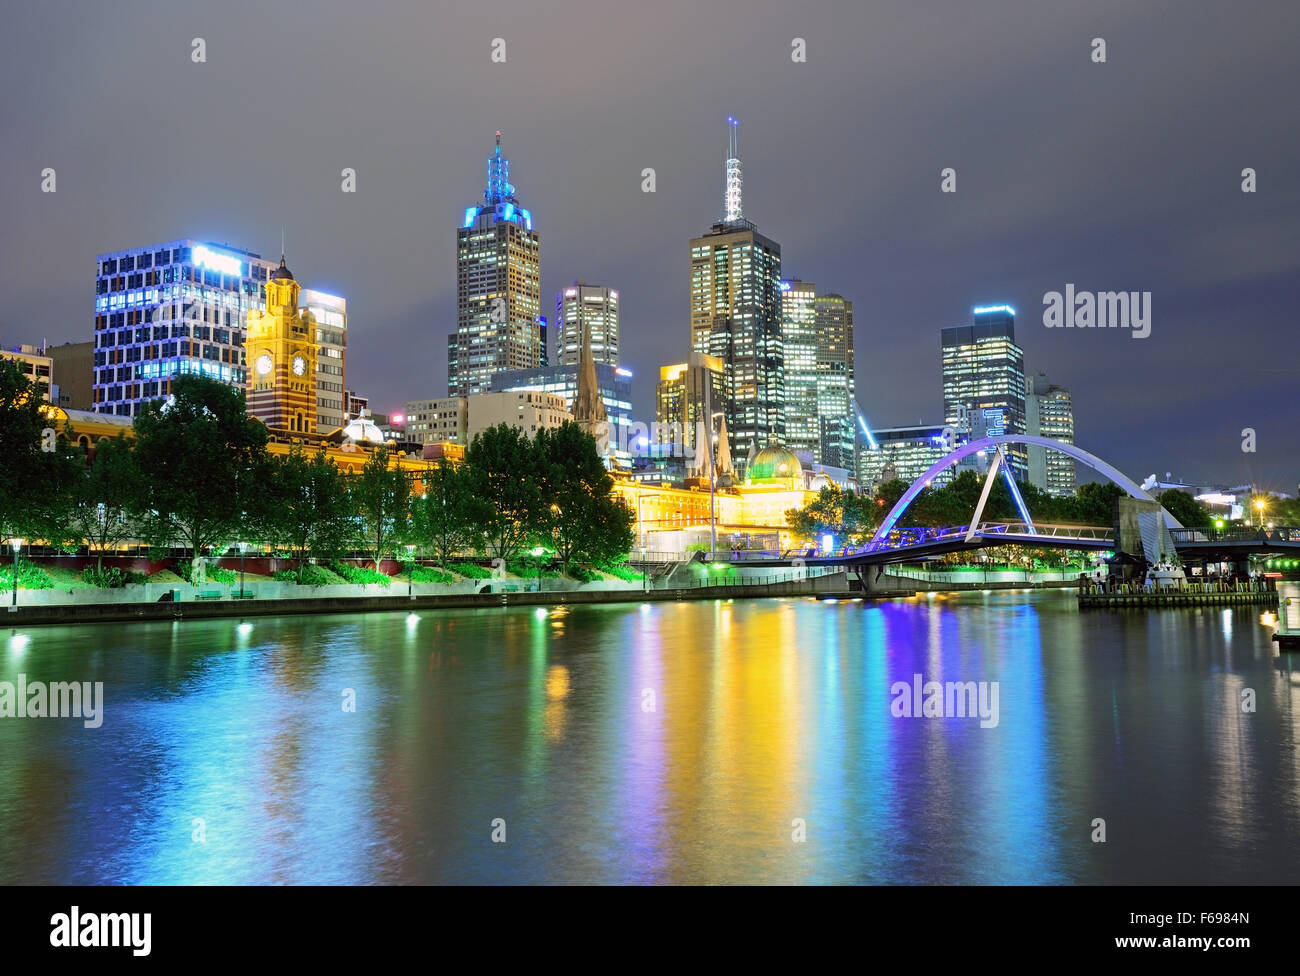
(1123, 175)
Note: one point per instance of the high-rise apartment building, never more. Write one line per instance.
(736, 316)
(592, 309)
(984, 380)
(687, 395)
(330, 313)
(1049, 412)
(498, 287)
(168, 310)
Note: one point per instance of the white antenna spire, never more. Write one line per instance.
(731, 205)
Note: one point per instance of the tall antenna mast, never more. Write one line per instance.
(731, 205)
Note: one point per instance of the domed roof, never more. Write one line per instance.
(281, 272)
(775, 462)
(363, 430)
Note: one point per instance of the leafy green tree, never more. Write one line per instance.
(381, 497)
(1096, 502)
(887, 496)
(309, 509)
(202, 460)
(836, 511)
(503, 470)
(37, 469)
(107, 497)
(449, 516)
(1185, 508)
(582, 519)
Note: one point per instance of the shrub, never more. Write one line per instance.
(470, 570)
(583, 574)
(110, 577)
(528, 569)
(307, 575)
(620, 571)
(427, 574)
(30, 576)
(360, 574)
(211, 573)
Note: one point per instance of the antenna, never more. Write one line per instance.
(731, 204)
(282, 242)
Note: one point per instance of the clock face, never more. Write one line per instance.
(264, 363)
(299, 365)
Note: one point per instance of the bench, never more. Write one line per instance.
(209, 595)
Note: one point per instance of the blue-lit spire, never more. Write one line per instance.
(498, 189)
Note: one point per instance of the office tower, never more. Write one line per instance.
(442, 420)
(168, 310)
(984, 380)
(905, 453)
(330, 313)
(613, 382)
(282, 355)
(836, 389)
(799, 341)
(1049, 412)
(498, 287)
(736, 316)
(686, 396)
(592, 308)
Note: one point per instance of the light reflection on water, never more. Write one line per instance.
(665, 742)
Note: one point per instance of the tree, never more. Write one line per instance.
(582, 518)
(107, 497)
(835, 511)
(449, 516)
(37, 470)
(381, 498)
(1185, 508)
(309, 509)
(201, 458)
(503, 470)
(1096, 502)
(887, 495)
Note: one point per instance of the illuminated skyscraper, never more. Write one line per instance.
(331, 315)
(1049, 412)
(836, 389)
(498, 287)
(799, 342)
(736, 316)
(984, 380)
(592, 308)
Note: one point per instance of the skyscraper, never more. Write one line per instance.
(498, 287)
(171, 309)
(592, 309)
(836, 390)
(1049, 412)
(736, 316)
(984, 380)
(799, 343)
(331, 315)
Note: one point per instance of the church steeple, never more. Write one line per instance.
(588, 407)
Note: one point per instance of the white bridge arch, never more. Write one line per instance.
(987, 443)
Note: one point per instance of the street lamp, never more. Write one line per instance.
(243, 547)
(16, 543)
(645, 578)
(1259, 507)
(410, 571)
(537, 554)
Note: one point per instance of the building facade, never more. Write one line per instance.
(687, 394)
(905, 453)
(36, 366)
(799, 343)
(330, 313)
(498, 288)
(281, 348)
(1049, 412)
(613, 382)
(74, 368)
(593, 309)
(837, 404)
(984, 380)
(168, 310)
(440, 421)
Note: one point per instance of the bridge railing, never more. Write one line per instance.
(1192, 585)
(1238, 533)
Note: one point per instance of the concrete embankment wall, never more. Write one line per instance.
(429, 596)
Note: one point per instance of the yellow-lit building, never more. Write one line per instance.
(281, 356)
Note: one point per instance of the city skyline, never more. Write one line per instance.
(913, 261)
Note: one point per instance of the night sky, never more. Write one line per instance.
(1117, 176)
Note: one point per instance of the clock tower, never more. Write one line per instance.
(280, 355)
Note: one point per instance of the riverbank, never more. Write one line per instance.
(505, 593)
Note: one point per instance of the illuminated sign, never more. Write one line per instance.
(622, 372)
(214, 261)
(990, 309)
(995, 423)
(470, 214)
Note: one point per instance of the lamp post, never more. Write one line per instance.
(243, 547)
(1259, 507)
(410, 571)
(537, 554)
(16, 544)
(645, 577)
